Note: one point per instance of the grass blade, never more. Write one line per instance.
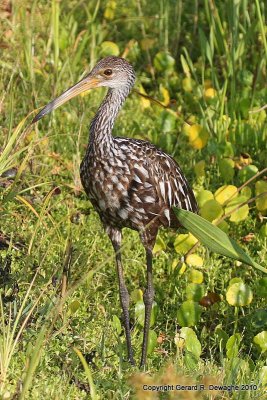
(214, 238)
(33, 362)
(87, 370)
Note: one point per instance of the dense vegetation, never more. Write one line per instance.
(61, 330)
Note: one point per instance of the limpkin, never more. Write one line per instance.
(129, 182)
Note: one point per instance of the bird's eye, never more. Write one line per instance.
(108, 72)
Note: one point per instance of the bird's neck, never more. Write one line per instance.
(103, 122)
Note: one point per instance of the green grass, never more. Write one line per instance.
(58, 343)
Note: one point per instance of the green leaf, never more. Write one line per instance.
(116, 323)
(261, 202)
(239, 295)
(185, 66)
(140, 313)
(196, 276)
(211, 210)
(159, 245)
(195, 261)
(189, 313)
(246, 192)
(221, 336)
(199, 169)
(184, 242)
(263, 231)
(74, 306)
(109, 49)
(187, 339)
(191, 361)
(152, 341)
(164, 62)
(187, 84)
(110, 10)
(229, 150)
(240, 214)
(168, 121)
(263, 376)
(137, 295)
(203, 196)
(224, 193)
(197, 135)
(226, 168)
(261, 340)
(224, 226)
(194, 291)
(214, 238)
(237, 279)
(232, 345)
(247, 172)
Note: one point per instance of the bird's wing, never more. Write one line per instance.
(156, 177)
(172, 185)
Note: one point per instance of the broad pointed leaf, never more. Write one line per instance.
(214, 238)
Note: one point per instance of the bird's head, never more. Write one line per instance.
(112, 72)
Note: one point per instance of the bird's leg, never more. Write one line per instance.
(124, 295)
(148, 300)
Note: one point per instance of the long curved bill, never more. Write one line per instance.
(83, 85)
